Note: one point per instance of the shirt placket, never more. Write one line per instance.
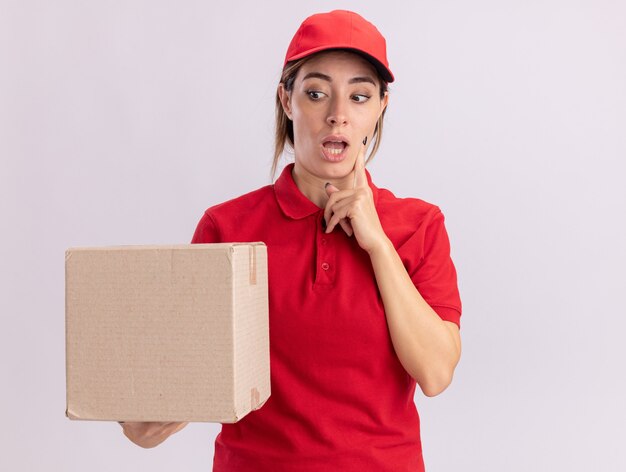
(325, 261)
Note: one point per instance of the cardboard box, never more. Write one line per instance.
(167, 333)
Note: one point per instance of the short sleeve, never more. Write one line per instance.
(206, 231)
(434, 275)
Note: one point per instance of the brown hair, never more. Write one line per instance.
(284, 126)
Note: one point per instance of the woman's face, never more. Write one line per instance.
(334, 104)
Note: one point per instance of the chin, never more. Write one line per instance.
(336, 169)
(327, 170)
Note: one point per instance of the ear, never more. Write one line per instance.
(384, 102)
(285, 99)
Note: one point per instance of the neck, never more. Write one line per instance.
(313, 187)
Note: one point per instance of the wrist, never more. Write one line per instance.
(381, 248)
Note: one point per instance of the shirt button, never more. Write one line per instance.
(324, 241)
(325, 265)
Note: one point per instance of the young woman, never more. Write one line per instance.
(363, 295)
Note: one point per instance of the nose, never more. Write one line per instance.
(337, 113)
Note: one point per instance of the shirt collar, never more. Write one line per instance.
(292, 201)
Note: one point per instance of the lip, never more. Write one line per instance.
(331, 156)
(336, 137)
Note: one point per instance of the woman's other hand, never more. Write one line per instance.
(354, 209)
(150, 434)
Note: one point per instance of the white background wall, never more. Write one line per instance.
(121, 121)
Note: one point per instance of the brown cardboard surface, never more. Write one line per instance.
(167, 333)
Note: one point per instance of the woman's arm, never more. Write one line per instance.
(150, 434)
(428, 347)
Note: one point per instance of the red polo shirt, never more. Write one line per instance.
(341, 400)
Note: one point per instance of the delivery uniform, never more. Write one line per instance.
(340, 399)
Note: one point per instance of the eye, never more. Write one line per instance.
(315, 95)
(360, 98)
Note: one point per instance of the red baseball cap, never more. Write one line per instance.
(341, 29)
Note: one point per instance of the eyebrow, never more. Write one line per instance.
(354, 80)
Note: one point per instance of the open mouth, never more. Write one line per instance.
(334, 150)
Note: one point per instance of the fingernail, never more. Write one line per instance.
(365, 141)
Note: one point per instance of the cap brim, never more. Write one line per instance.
(384, 72)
